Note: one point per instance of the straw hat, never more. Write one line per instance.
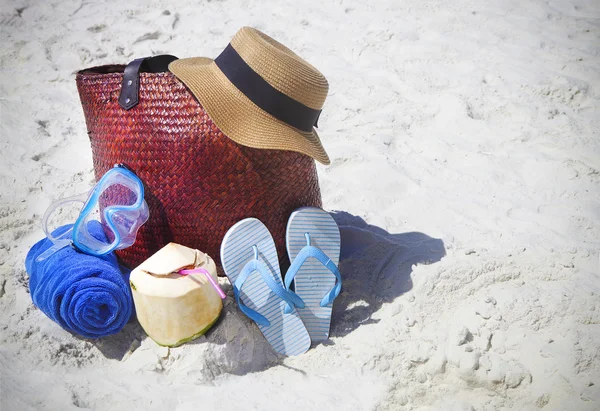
(259, 93)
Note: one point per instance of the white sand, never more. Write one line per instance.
(466, 157)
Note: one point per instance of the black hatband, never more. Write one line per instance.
(265, 96)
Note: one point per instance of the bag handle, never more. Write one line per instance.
(130, 88)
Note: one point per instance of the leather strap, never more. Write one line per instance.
(130, 88)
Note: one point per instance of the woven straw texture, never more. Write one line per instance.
(198, 181)
(240, 118)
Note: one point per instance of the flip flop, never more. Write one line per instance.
(313, 245)
(250, 261)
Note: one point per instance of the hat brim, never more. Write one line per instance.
(238, 117)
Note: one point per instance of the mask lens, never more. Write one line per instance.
(118, 194)
(95, 234)
(116, 197)
(128, 224)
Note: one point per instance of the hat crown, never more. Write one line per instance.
(281, 68)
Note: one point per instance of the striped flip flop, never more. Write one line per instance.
(313, 245)
(250, 261)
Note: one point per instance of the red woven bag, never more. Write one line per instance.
(198, 182)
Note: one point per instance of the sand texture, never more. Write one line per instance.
(465, 178)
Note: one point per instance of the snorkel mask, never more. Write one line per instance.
(116, 202)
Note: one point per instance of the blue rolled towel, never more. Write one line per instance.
(84, 294)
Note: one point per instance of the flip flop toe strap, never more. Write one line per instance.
(290, 298)
(315, 252)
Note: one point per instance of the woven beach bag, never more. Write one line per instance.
(198, 182)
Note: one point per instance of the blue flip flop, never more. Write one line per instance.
(250, 261)
(313, 245)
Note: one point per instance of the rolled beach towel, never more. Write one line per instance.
(84, 294)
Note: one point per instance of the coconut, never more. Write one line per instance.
(174, 308)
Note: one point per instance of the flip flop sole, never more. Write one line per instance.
(313, 281)
(286, 334)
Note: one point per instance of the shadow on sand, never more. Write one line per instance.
(375, 267)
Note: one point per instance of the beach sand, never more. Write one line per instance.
(465, 177)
